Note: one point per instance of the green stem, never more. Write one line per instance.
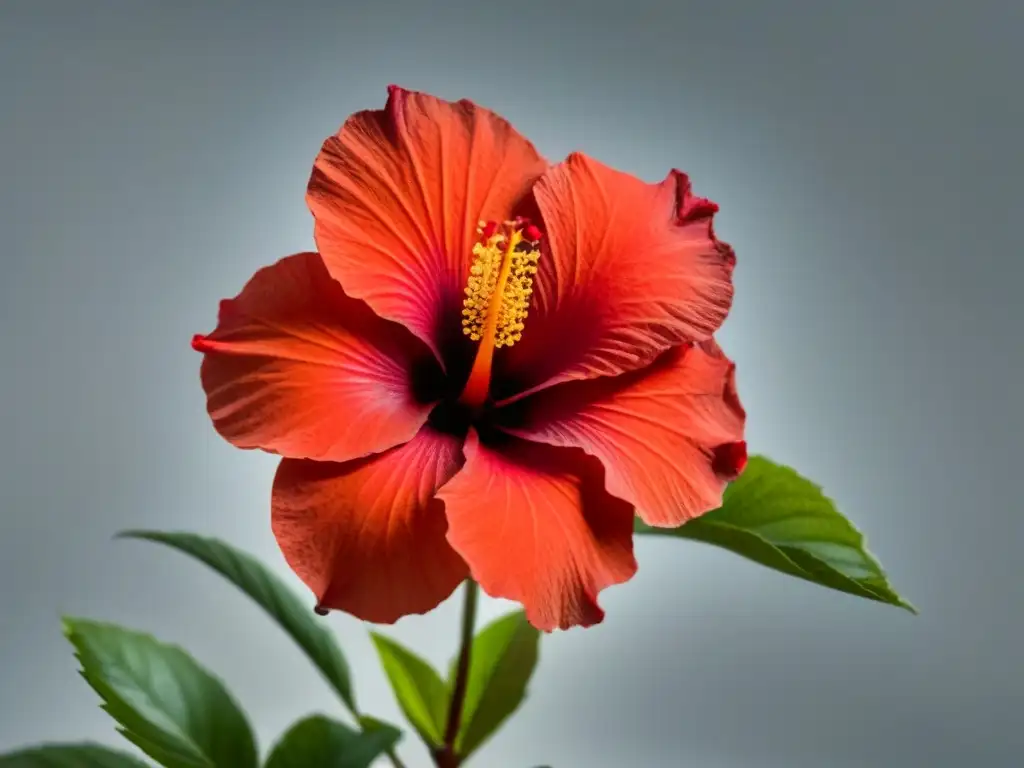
(446, 756)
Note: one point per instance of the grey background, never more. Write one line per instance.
(867, 157)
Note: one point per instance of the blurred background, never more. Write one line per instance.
(867, 157)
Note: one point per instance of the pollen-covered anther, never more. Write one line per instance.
(500, 282)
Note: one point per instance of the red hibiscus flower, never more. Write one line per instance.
(490, 366)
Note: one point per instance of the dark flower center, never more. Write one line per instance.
(497, 296)
(452, 417)
(495, 305)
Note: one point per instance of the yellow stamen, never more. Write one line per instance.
(497, 297)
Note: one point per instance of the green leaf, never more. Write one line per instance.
(166, 704)
(270, 593)
(83, 755)
(775, 517)
(318, 741)
(421, 693)
(503, 659)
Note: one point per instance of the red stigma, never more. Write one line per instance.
(532, 233)
(489, 229)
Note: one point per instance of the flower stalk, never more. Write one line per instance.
(446, 756)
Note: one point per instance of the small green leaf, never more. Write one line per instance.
(777, 518)
(165, 703)
(421, 693)
(503, 659)
(318, 741)
(270, 593)
(69, 756)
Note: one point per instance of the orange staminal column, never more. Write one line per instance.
(497, 297)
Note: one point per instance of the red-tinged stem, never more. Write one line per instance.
(446, 756)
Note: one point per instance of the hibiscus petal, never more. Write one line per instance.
(630, 270)
(396, 196)
(368, 536)
(536, 526)
(296, 367)
(670, 436)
